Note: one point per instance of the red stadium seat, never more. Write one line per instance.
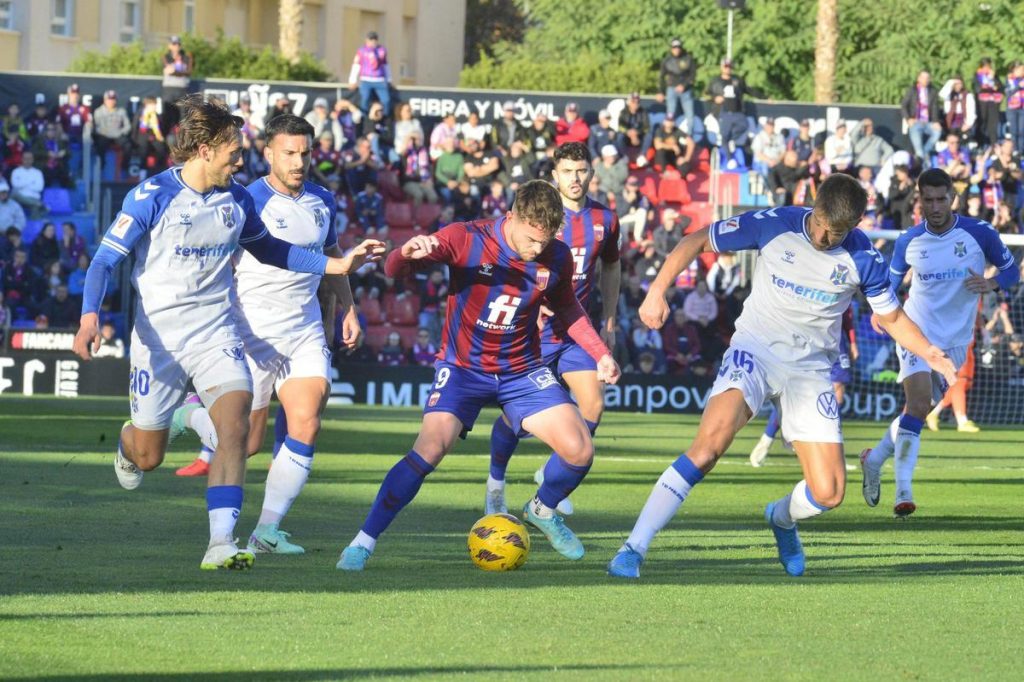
(728, 188)
(387, 303)
(377, 335)
(673, 189)
(400, 235)
(426, 214)
(398, 214)
(406, 311)
(649, 187)
(389, 185)
(700, 214)
(370, 308)
(408, 335)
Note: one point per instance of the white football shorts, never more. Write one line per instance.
(913, 364)
(274, 360)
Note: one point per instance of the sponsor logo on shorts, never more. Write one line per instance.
(828, 406)
(543, 378)
(236, 353)
(434, 397)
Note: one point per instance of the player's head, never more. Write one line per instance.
(288, 150)
(535, 217)
(572, 170)
(935, 188)
(840, 204)
(209, 135)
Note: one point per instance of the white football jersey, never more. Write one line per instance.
(183, 243)
(939, 302)
(275, 302)
(799, 294)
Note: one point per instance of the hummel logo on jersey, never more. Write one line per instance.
(840, 275)
(148, 188)
(789, 257)
(282, 224)
(186, 219)
(924, 254)
(487, 269)
(877, 256)
(960, 249)
(503, 311)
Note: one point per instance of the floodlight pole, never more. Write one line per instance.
(728, 40)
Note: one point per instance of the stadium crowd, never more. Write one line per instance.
(395, 176)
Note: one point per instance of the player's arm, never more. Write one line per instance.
(564, 304)
(418, 252)
(654, 310)
(342, 290)
(610, 282)
(996, 253)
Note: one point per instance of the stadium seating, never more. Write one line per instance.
(405, 311)
(371, 309)
(58, 200)
(673, 190)
(426, 214)
(398, 215)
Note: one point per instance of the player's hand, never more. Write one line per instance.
(608, 336)
(368, 251)
(941, 363)
(87, 340)
(608, 370)
(978, 284)
(876, 325)
(654, 310)
(542, 316)
(350, 329)
(420, 246)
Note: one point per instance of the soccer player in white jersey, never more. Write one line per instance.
(279, 317)
(811, 264)
(183, 225)
(948, 254)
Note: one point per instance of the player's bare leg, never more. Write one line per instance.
(562, 428)
(438, 433)
(303, 399)
(725, 414)
(257, 430)
(138, 450)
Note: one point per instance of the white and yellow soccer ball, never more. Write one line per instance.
(499, 542)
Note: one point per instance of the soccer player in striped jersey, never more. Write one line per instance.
(502, 270)
(183, 225)
(948, 254)
(591, 231)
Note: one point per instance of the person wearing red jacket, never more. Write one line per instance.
(571, 127)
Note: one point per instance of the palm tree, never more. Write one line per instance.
(825, 52)
(289, 25)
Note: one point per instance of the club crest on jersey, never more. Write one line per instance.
(960, 249)
(227, 216)
(318, 216)
(840, 275)
(828, 406)
(598, 232)
(487, 269)
(737, 375)
(543, 275)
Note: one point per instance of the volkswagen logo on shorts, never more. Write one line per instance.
(828, 407)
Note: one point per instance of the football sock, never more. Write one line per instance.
(280, 429)
(766, 440)
(397, 490)
(286, 478)
(503, 444)
(796, 506)
(908, 444)
(885, 448)
(363, 540)
(199, 421)
(205, 454)
(540, 509)
(664, 501)
(772, 427)
(224, 504)
(495, 484)
(560, 479)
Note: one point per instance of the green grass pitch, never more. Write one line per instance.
(99, 583)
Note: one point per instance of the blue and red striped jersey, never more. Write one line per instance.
(494, 296)
(590, 233)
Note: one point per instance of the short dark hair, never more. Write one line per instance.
(935, 177)
(539, 203)
(841, 201)
(573, 151)
(287, 124)
(203, 122)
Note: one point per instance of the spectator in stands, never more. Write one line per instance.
(13, 125)
(802, 143)
(52, 277)
(442, 132)
(111, 126)
(346, 119)
(784, 178)
(680, 343)
(673, 148)
(405, 125)
(11, 213)
(110, 345)
(320, 118)
(148, 144)
(611, 172)
(76, 280)
(495, 203)
(432, 295)
(634, 210)
(1007, 171)
(445, 218)
(670, 232)
(448, 169)
(675, 83)
(959, 109)
(71, 246)
(649, 263)
(481, 167)
(646, 363)
(423, 350)
(325, 160)
(75, 120)
(873, 210)
(13, 242)
(369, 209)
(727, 91)
(51, 156)
(920, 108)
(371, 72)
(724, 276)
(473, 129)
(648, 341)
(27, 184)
(988, 91)
(701, 308)
(378, 132)
(39, 117)
(901, 198)
(517, 166)
(280, 107)
(5, 319)
(1015, 105)
(177, 71)
(253, 120)
(417, 175)
(540, 137)
(21, 283)
(957, 163)
(571, 127)
(466, 201)
(507, 130)
(254, 161)
(602, 133)
(45, 247)
(869, 149)
(392, 354)
(767, 147)
(361, 165)
(634, 124)
(839, 150)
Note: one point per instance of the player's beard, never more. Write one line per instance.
(573, 193)
(291, 180)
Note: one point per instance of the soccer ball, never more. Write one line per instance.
(499, 542)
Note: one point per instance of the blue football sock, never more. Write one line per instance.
(223, 503)
(280, 429)
(772, 427)
(503, 444)
(560, 479)
(399, 487)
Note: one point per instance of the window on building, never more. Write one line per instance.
(189, 20)
(62, 17)
(6, 15)
(131, 20)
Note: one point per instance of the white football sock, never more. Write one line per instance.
(287, 476)
(885, 448)
(494, 484)
(363, 540)
(908, 444)
(222, 525)
(662, 504)
(796, 506)
(540, 509)
(199, 421)
(205, 454)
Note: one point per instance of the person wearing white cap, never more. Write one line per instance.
(319, 118)
(610, 171)
(11, 213)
